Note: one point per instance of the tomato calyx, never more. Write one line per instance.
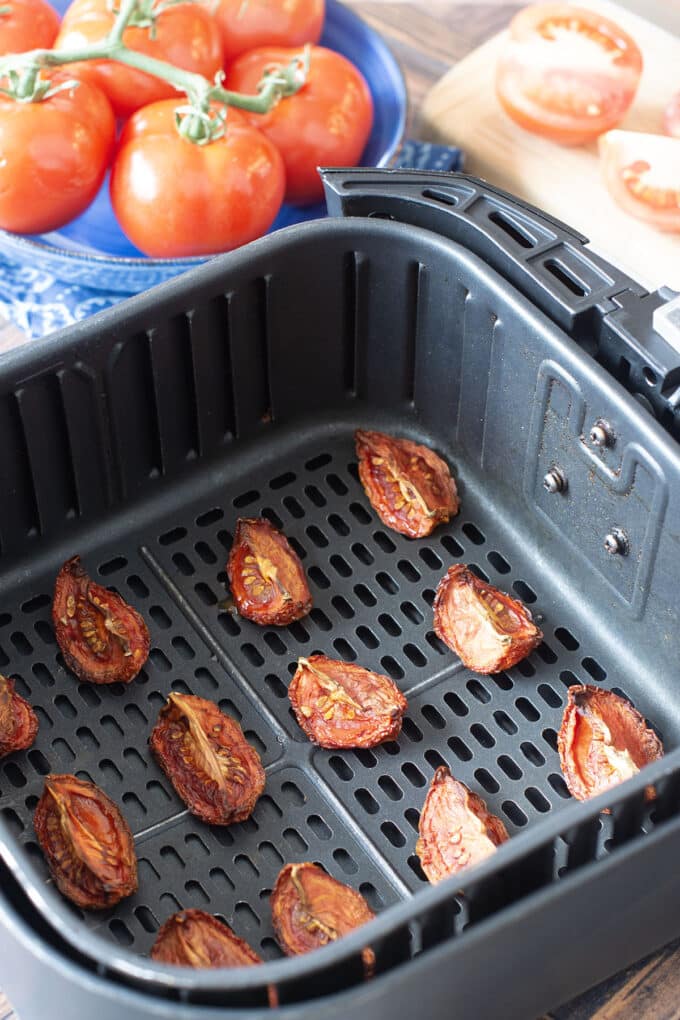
(28, 86)
(286, 79)
(200, 126)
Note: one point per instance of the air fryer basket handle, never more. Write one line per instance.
(604, 310)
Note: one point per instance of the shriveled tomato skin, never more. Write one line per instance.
(339, 704)
(456, 829)
(18, 721)
(102, 638)
(194, 938)
(206, 757)
(487, 629)
(267, 580)
(311, 909)
(408, 485)
(603, 740)
(86, 841)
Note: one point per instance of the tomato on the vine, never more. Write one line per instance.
(27, 25)
(567, 73)
(326, 123)
(54, 156)
(247, 24)
(174, 198)
(184, 34)
(642, 173)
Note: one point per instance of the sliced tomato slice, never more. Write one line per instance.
(642, 173)
(671, 117)
(567, 73)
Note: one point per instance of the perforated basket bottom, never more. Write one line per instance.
(354, 812)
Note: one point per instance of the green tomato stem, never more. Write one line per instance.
(5, 9)
(23, 68)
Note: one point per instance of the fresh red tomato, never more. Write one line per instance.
(27, 25)
(671, 117)
(567, 73)
(326, 123)
(174, 198)
(54, 156)
(186, 35)
(247, 24)
(642, 173)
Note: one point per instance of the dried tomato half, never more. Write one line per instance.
(207, 759)
(486, 628)
(602, 741)
(409, 486)
(339, 704)
(18, 721)
(102, 638)
(192, 938)
(268, 582)
(311, 909)
(86, 841)
(456, 829)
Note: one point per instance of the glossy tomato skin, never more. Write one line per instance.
(311, 909)
(186, 35)
(409, 486)
(642, 174)
(18, 721)
(456, 829)
(340, 704)
(28, 25)
(194, 938)
(267, 579)
(603, 740)
(86, 841)
(249, 24)
(326, 123)
(102, 638)
(53, 157)
(487, 629)
(173, 198)
(567, 73)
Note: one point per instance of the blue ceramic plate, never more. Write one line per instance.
(93, 251)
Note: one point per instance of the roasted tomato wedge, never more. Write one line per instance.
(18, 721)
(409, 486)
(456, 829)
(207, 759)
(87, 843)
(339, 704)
(102, 638)
(567, 73)
(311, 909)
(602, 741)
(642, 173)
(192, 938)
(268, 582)
(486, 628)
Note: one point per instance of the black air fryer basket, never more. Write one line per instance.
(442, 310)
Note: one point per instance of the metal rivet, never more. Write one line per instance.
(616, 542)
(555, 481)
(601, 434)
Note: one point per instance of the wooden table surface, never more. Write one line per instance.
(427, 37)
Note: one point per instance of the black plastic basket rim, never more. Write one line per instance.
(132, 968)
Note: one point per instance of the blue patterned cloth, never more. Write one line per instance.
(38, 303)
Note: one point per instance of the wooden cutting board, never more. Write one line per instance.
(462, 109)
